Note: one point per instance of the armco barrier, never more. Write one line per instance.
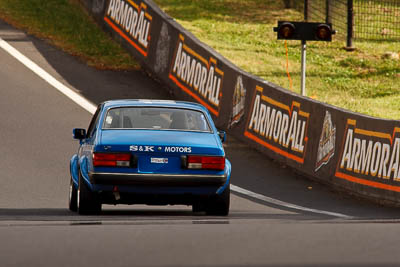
(358, 153)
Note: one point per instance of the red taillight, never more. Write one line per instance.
(206, 162)
(111, 159)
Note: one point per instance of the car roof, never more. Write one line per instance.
(153, 103)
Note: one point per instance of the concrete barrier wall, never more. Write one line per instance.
(358, 153)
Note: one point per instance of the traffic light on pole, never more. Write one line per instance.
(307, 31)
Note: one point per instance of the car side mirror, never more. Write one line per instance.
(222, 135)
(79, 134)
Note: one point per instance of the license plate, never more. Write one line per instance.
(159, 160)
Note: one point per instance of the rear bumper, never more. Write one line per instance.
(156, 179)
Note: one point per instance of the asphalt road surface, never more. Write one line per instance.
(37, 229)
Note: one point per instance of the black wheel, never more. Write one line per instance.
(73, 195)
(219, 204)
(87, 201)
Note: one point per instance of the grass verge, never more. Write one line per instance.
(363, 81)
(65, 24)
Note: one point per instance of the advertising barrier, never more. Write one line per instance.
(351, 151)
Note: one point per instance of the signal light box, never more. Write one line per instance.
(305, 31)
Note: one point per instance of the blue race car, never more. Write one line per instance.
(150, 152)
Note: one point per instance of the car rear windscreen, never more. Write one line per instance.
(156, 118)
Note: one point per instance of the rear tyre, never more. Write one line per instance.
(73, 195)
(219, 204)
(87, 201)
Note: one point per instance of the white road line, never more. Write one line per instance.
(78, 99)
(91, 108)
(285, 204)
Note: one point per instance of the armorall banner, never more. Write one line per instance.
(370, 157)
(278, 126)
(130, 19)
(197, 76)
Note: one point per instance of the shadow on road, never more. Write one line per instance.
(100, 85)
(141, 216)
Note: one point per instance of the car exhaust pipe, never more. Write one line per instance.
(117, 196)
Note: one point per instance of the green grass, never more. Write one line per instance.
(65, 24)
(242, 31)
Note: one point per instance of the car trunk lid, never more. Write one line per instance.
(157, 151)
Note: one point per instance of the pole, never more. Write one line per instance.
(303, 67)
(350, 25)
(305, 10)
(328, 18)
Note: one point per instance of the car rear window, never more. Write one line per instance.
(156, 118)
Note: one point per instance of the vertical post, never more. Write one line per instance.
(350, 25)
(328, 18)
(305, 10)
(303, 67)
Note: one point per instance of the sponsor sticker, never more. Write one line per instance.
(131, 21)
(197, 76)
(167, 149)
(326, 145)
(239, 98)
(179, 149)
(162, 51)
(278, 126)
(97, 6)
(370, 158)
(135, 148)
